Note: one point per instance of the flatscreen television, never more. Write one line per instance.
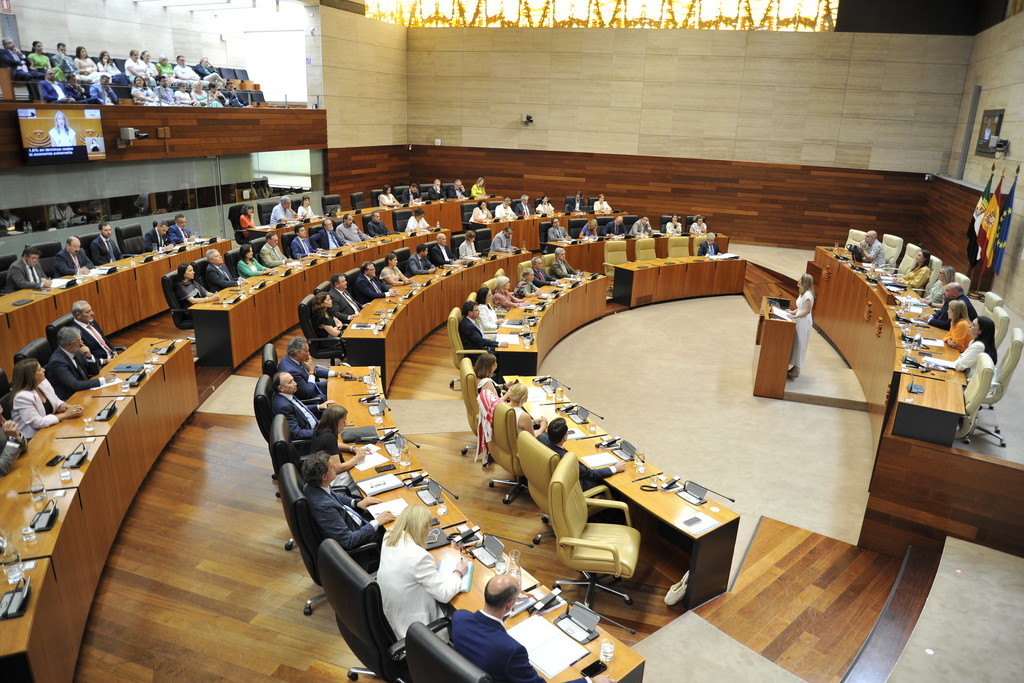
(55, 135)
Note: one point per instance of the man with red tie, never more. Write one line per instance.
(92, 335)
(72, 259)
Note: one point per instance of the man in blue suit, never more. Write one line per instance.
(101, 92)
(104, 249)
(71, 366)
(367, 287)
(310, 378)
(327, 239)
(218, 276)
(156, 239)
(616, 227)
(709, 248)
(301, 247)
(93, 337)
(179, 232)
(54, 92)
(302, 419)
(338, 516)
(72, 260)
(481, 637)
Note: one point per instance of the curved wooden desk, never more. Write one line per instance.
(589, 254)
(920, 492)
(638, 283)
(43, 645)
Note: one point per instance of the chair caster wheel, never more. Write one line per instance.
(967, 440)
(545, 519)
(290, 545)
(1002, 445)
(307, 610)
(997, 430)
(490, 484)
(465, 449)
(352, 676)
(537, 539)
(506, 500)
(629, 601)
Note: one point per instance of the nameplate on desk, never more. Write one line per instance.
(21, 302)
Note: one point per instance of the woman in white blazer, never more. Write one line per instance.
(410, 585)
(35, 403)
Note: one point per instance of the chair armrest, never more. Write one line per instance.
(593, 545)
(611, 504)
(468, 352)
(596, 491)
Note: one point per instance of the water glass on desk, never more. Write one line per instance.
(88, 424)
(607, 650)
(35, 484)
(12, 563)
(125, 387)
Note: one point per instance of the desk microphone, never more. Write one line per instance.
(511, 540)
(731, 500)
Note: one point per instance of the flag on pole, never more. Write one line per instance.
(1004, 226)
(987, 230)
(974, 225)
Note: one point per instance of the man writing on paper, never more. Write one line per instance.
(481, 638)
(555, 439)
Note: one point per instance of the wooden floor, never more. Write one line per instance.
(199, 587)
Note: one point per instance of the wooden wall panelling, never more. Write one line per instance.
(361, 169)
(944, 220)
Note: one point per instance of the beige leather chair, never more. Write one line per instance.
(1003, 374)
(978, 387)
(855, 236)
(908, 259)
(520, 267)
(1002, 322)
(489, 284)
(992, 300)
(539, 463)
(505, 451)
(614, 254)
(595, 550)
(678, 246)
(696, 242)
(455, 341)
(467, 384)
(645, 249)
(963, 281)
(893, 246)
(936, 269)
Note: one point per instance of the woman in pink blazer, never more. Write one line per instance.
(35, 403)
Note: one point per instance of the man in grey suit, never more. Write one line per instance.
(349, 231)
(25, 273)
(420, 264)
(556, 233)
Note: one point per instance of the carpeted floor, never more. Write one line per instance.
(233, 397)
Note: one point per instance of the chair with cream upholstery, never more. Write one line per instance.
(992, 300)
(1004, 373)
(539, 463)
(505, 451)
(893, 246)
(645, 249)
(678, 246)
(614, 254)
(455, 340)
(963, 281)
(1002, 322)
(595, 550)
(936, 269)
(467, 387)
(909, 256)
(978, 387)
(696, 242)
(855, 236)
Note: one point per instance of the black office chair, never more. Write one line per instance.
(282, 448)
(134, 245)
(263, 211)
(39, 349)
(358, 200)
(324, 286)
(400, 219)
(494, 204)
(403, 254)
(431, 660)
(467, 213)
(375, 195)
(200, 266)
(47, 250)
(269, 361)
(3, 280)
(543, 232)
(87, 240)
(356, 600)
(123, 233)
(301, 524)
(329, 204)
(231, 261)
(257, 246)
(457, 241)
(181, 317)
(319, 347)
(286, 244)
(5, 388)
(54, 327)
(234, 215)
(261, 405)
(6, 261)
(447, 187)
(398, 191)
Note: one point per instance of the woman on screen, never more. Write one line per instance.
(61, 135)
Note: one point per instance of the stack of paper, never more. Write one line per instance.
(551, 651)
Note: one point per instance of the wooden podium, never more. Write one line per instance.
(775, 337)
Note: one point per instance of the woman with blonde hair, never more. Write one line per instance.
(411, 588)
(804, 324)
(959, 336)
(504, 299)
(480, 188)
(516, 397)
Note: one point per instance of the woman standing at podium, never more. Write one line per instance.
(804, 324)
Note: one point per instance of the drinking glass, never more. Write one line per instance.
(12, 564)
(35, 484)
(125, 387)
(607, 650)
(28, 534)
(406, 458)
(88, 424)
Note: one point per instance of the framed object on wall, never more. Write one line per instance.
(988, 134)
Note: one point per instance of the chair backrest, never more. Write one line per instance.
(53, 327)
(467, 383)
(1002, 322)
(299, 517)
(324, 286)
(180, 317)
(269, 361)
(286, 243)
(358, 200)
(305, 309)
(645, 249)
(615, 252)
(976, 392)
(282, 450)
(375, 194)
(231, 261)
(855, 236)
(678, 246)
(133, 245)
(38, 348)
(963, 281)
(431, 660)
(522, 266)
(992, 300)
(538, 463)
(1008, 361)
(47, 251)
(908, 259)
(400, 218)
(5, 388)
(467, 211)
(355, 597)
(87, 240)
(262, 396)
(504, 444)
(264, 209)
(234, 215)
(695, 243)
(567, 507)
(329, 204)
(454, 340)
(7, 260)
(398, 191)
(123, 233)
(893, 246)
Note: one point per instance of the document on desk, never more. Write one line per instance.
(698, 523)
(536, 394)
(510, 339)
(393, 506)
(105, 383)
(599, 460)
(372, 460)
(942, 363)
(781, 313)
(550, 650)
(932, 342)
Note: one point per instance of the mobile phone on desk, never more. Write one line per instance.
(594, 669)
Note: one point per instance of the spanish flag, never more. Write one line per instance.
(987, 229)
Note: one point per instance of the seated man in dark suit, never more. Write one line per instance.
(25, 273)
(556, 437)
(411, 194)
(156, 239)
(71, 260)
(540, 276)
(52, 91)
(458, 190)
(953, 291)
(419, 263)
(523, 208)
(339, 516)
(179, 232)
(92, 335)
(481, 638)
(344, 307)
(71, 366)
(13, 59)
(104, 249)
(327, 239)
(616, 227)
(367, 287)
(310, 378)
(710, 247)
(217, 275)
(441, 254)
(302, 419)
(576, 204)
(435, 191)
(375, 226)
(472, 337)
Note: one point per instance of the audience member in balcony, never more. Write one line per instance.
(387, 199)
(165, 68)
(182, 95)
(183, 72)
(8, 221)
(165, 93)
(208, 72)
(151, 69)
(102, 93)
(106, 65)
(12, 58)
(199, 95)
(63, 61)
(305, 210)
(435, 192)
(283, 211)
(39, 61)
(375, 226)
(86, 68)
(134, 67)
(217, 98)
(53, 91)
(143, 94)
(417, 221)
(61, 135)
(77, 91)
(235, 98)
